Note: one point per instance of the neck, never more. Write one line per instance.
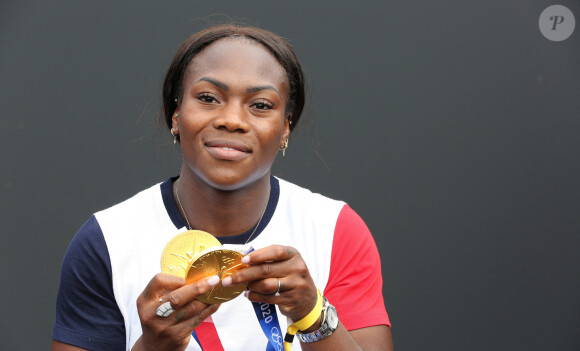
(222, 212)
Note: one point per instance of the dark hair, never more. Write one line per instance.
(282, 51)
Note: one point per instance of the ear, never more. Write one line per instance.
(175, 119)
(286, 132)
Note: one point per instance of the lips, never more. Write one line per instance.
(227, 149)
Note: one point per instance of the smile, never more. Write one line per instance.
(227, 149)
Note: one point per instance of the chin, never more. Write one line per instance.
(231, 182)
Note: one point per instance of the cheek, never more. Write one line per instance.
(272, 135)
(271, 131)
(191, 122)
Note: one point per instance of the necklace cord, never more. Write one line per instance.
(191, 228)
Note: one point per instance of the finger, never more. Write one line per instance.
(270, 254)
(189, 311)
(291, 297)
(187, 294)
(148, 303)
(252, 273)
(294, 304)
(265, 298)
(203, 315)
(269, 286)
(160, 284)
(182, 331)
(294, 266)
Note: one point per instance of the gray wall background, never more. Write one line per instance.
(451, 127)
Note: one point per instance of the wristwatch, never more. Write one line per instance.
(328, 326)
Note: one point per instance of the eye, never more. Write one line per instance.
(206, 98)
(262, 104)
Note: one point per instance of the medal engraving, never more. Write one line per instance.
(180, 250)
(220, 262)
(195, 255)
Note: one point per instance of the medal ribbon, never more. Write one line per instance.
(207, 337)
(268, 318)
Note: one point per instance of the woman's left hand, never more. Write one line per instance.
(278, 269)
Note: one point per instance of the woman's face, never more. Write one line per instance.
(232, 116)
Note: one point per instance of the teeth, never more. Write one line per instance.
(227, 148)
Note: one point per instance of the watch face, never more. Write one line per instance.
(328, 326)
(332, 317)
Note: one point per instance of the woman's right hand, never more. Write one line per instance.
(183, 312)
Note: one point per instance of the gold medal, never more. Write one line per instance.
(180, 250)
(220, 262)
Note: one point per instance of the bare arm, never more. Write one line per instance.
(373, 338)
(60, 346)
(376, 338)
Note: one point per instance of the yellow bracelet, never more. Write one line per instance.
(304, 323)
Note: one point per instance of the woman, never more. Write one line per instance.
(231, 97)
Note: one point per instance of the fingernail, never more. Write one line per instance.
(227, 281)
(213, 280)
(246, 260)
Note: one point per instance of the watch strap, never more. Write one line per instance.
(304, 323)
(325, 328)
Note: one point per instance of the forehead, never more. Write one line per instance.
(237, 60)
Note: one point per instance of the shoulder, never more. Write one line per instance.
(351, 228)
(87, 244)
(126, 220)
(347, 224)
(307, 217)
(342, 237)
(134, 205)
(308, 202)
(297, 190)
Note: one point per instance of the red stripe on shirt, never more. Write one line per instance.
(355, 284)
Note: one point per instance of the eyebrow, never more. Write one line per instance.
(217, 83)
(262, 87)
(225, 87)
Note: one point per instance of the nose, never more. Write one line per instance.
(233, 117)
